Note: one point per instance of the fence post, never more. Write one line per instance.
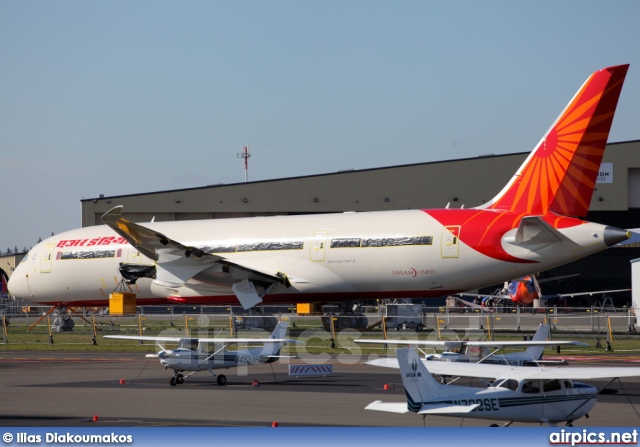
(4, 327)
(49, 328)
(94, 341)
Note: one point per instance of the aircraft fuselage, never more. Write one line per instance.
(391, 254)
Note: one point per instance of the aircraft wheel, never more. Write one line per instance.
(222, 379)
(173, 381)
(180, 379)
(494, 425)
(419, 327)
(399, 327)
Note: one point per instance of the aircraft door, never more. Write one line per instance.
(47, 258)
(553, 407)
(450, 241)
(317, 247)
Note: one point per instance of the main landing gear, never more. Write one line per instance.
(178, 379)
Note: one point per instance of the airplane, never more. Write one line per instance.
(531, 225)
(519, 394)
(192, 355)
(475, 350)
(526, 290)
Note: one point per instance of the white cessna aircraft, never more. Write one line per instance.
(530, 226)
(519, 394)
(191, 354)
(477, 350)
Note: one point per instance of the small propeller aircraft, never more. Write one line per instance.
(519, 394)
(478, 351)
(191, 354)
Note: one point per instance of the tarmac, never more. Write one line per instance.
(126, 389)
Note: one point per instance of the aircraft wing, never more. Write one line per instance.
(144, 338)
(601, 292)
(446, 408)
(436, 343)
(390, 407)
(176, 263)
(493, 371)
(202, 340)
(401, 407)
(449, 343)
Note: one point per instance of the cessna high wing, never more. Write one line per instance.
(192, 356)
(478, 351)
(519, 394)
(531, 225)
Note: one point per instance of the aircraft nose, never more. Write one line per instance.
(613, 235)
(17, 284)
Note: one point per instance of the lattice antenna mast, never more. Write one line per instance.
(245, 154)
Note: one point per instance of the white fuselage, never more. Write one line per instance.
(551, 406)
(182, 359)
(392, 254)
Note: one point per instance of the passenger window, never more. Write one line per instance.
(531, 387)
(551, 385)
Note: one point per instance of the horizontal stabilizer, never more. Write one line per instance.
(390, 407)
(534, 230)
(446, 408)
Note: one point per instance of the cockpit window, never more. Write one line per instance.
(508, 383)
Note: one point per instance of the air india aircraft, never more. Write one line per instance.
(532, 225)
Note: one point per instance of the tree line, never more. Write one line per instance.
(15, 251)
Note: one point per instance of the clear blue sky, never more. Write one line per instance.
(121, 97)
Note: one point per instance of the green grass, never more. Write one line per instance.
(316, 340)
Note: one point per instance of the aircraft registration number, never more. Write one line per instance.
(483, 404)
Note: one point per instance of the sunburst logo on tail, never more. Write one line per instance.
(561, 172)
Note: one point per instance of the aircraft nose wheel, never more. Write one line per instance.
(221, 379)
(178, 379)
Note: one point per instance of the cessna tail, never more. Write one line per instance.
(532, 225)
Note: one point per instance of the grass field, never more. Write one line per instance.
(316, 340)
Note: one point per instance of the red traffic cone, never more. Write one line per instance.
(274, 424)
(95, 418)
(122, 382)
(385, 387)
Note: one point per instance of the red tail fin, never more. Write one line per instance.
(559, 175)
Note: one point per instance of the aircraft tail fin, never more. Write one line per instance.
(542, 334)
(418, 383)
(560, 173)
(280, 332)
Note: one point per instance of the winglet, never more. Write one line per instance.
(560, 174)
